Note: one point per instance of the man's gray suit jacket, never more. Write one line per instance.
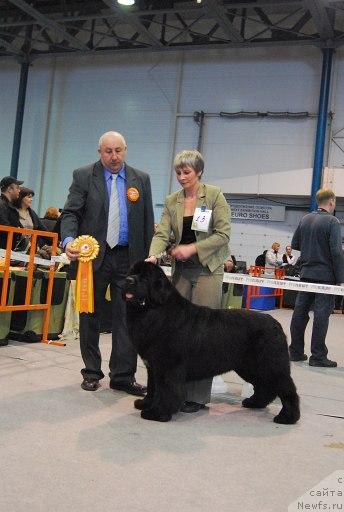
(87, 207)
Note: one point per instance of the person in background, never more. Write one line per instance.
(50, 218)
(199, 217)
(288, 257)
(318, 237)
(260, 259)
(273, 258)
(9, 215)
(112, 202)
(28, 218)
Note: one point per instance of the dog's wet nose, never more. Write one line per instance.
(130, 280)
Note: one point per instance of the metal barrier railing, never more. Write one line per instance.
(254, 292)
(6, 268)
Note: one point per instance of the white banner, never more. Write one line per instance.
(298, 286)
(261, 212)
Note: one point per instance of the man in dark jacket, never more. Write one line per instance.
(9, 215)
(112, 202)
(318, 237)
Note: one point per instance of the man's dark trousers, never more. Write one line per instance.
(323, 305)
(123, 360)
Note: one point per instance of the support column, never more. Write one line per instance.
(199, 119)
(24, 71)
(322, 124)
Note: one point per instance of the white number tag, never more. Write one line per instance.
(201, 219)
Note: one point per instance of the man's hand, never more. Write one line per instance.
(72, 253)
(183, 252)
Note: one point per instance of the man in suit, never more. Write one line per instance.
(112, 202)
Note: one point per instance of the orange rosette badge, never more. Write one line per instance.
(133, 194)
(84, 295)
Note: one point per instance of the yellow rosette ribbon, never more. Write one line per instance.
(84, 295)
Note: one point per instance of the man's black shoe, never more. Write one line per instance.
(89, 384)
(303, 357)
(323, 363)
(132, 388)
(3, 343)
(191, 407)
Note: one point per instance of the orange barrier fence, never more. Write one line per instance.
(6, 268)
(256, 292)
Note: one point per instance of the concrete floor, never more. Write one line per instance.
(63, 449)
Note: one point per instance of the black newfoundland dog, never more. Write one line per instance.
(179, 341)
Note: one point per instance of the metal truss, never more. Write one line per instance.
(53, 27)
(337, 139)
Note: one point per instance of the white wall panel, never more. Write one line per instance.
(92, 96)
(251, 79)
(137, 96)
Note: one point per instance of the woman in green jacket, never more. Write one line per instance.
(198, 216)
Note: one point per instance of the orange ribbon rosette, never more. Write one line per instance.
(133, 194)
(84, 295)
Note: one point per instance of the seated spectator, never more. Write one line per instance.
(28, 218)
(260, 259)
(8, 213)
(288, 258)
(273, 258)
(50, 218)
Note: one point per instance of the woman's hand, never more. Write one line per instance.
(228, 265)
(183, 252)
(152, 259)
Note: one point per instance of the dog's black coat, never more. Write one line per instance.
(179, 341)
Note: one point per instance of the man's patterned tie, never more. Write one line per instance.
(113, 219)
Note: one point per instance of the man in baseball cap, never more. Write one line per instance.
(7, 181)
(9, 215)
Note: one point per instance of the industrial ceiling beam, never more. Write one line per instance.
(116, 29)
(320, 17)
(219, 13)
(10, 48)
(44, 21)
(133, 20)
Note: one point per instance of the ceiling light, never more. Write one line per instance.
(126, 2)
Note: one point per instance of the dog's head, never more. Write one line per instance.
(146, 285)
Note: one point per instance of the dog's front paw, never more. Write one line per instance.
(142, 403)
(153, 415)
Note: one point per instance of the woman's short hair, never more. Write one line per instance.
(191, 158)
(51, 213)
(23, 193)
